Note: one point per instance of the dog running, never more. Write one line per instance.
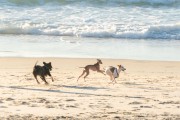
(42, 71)
(95, 67)
(114, 72)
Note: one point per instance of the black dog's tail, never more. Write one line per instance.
(35, 64)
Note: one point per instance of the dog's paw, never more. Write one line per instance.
(46, 83)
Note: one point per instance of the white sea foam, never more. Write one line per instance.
(153, 32)
(96, 2)
(78, 18)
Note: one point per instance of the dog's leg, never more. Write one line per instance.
(81, 74)
(52, 79)
(43, 78)
(87, 73)
(101, 71)
(51, 76)
(35, 76)
(113, 79)
(110, 77)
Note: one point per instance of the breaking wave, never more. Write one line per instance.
(97, 2)
(153, 32)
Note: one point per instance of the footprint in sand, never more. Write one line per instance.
(145, 107)
(96, 117)
(9, 99)
(3, 107)
(70, 77)
(42, 100)
(70, 100)
(61, 105)
(170, 102)
(136, 109)
(108, 106)
(135, 103)
(112, 112)
(1, 101)
(47, 102)
(33, 105)
(50, 106)
(127, 113)
(24, 103)
(117, 117)
(55, 102)
(29, 78)
(141, 116)
(91, 106)
(71, 106)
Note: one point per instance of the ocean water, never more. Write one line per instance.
(118, 29)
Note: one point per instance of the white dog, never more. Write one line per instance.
(114, 72)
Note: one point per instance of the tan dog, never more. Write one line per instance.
(114, 72)
(95, 67)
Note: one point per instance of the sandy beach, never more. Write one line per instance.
(147, 90)
(141, 35)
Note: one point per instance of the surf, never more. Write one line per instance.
(168, 3)
(153, 32)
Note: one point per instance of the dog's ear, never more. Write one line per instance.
(44, 63)
(119, 65)
(99, 61)
(50, 63)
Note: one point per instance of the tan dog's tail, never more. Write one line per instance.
(81, 67)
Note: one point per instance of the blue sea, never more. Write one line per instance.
(116, 29)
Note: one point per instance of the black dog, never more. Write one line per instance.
(42, 71)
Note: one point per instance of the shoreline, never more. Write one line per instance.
(146, 90)
(73, 47)
(123, 59)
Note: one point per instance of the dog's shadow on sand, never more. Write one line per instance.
(81, 87)
(59, 91)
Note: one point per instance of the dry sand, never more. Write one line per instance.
(147, 90)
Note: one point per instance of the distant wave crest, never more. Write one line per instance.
(153, 32)
(98, 2)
